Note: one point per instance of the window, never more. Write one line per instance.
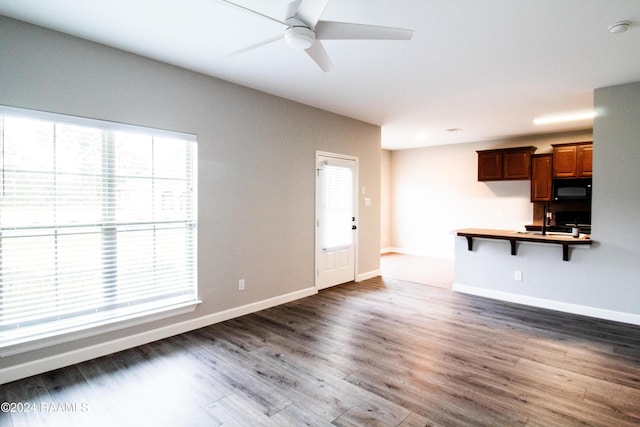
(97, 224)
(338, 205)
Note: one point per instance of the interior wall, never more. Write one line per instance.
(436, 190)
(256, 161)
(385, 201)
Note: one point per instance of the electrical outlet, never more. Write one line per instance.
(517, 275)
(241, 285)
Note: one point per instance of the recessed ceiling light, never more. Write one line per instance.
(422, 136)
(619, 27)
(565, 118)
(454, 130)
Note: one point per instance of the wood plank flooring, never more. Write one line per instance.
(376, 353)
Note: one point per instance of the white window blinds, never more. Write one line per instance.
(338, 205)
(97, 223)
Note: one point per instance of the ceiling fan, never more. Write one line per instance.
(303, 29)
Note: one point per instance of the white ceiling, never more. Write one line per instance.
(488, 67)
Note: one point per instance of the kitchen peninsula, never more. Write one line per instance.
(560, 189)
(513, 237)
(601, 279)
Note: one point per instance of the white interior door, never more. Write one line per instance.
(336, 228)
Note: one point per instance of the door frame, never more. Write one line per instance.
(318, 209)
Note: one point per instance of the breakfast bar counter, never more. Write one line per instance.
(513, 237)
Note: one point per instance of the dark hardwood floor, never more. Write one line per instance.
(378, 352)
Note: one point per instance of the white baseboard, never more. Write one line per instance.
(405, 251)
(368, 275)
(599, 313)
(61, 360)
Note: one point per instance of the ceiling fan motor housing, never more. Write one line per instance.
(299, 35)
(303, 21)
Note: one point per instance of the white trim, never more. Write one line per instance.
(405, 251)
(102, 124)
(368, 275)
(336, 156)
(61, 360)
(583, 310)
(99, 327)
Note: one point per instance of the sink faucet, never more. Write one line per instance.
(544, 219)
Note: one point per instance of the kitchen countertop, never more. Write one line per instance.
(532, 236)
(514, 236)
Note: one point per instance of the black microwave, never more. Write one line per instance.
(572, 189)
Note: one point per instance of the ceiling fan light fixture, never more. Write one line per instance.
(299, 37)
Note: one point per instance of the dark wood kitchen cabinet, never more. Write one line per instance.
(489, 165)
(541, 178)
(505, 164)
(573, 160)
(585, 160)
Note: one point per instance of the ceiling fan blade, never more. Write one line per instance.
(253, 12)
(329, 30)
(310, 11)
(257, 45)
(320, 56)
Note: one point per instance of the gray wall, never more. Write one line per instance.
(616, 166)
(256, 159)
(603, 281)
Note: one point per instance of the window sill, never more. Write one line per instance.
(94, 326)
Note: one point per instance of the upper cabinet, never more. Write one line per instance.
(489, 165)
(585, 160)
(541, 182)
(573, 160)
(505, 164)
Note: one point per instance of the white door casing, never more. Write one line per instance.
(336, 214)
